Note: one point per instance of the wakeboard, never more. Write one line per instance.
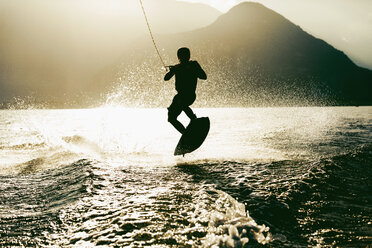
(193, 137)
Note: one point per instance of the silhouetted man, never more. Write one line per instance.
(187, 73)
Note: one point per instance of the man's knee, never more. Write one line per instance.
(173, 114)
(171, 117)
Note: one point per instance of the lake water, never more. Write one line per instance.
(270, 177)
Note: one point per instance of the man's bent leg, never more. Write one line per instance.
(173, 113)
(188, 111)
(178, 125)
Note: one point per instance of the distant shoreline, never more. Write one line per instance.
(196, 107)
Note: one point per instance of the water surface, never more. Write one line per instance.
(264, 177)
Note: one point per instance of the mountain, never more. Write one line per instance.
(256, 57)
(344, 24)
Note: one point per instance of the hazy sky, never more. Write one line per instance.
(53, 46)
(345, 24)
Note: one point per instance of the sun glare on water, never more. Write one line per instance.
(138, 136)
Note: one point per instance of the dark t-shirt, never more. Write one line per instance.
(187, 75)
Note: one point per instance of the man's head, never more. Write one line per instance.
(183, 54)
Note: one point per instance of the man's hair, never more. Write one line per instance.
(183, 54)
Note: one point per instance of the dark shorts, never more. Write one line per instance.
(179, 103)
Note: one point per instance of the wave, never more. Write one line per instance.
(52, 161)
(46, 187)
(35, 157)
(148, 216)
(335, 200)
(27, 145)
(81, 144)
(31, 203)
(200, 203)
(324, 199)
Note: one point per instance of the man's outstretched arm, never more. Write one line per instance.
(170, 74)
